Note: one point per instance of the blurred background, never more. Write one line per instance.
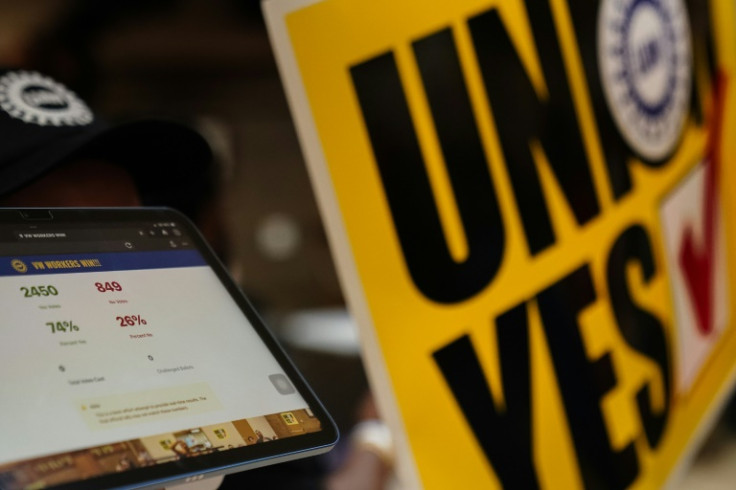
(209, 64)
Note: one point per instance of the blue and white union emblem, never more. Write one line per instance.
(645, 62)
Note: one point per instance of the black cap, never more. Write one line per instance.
(43, 124)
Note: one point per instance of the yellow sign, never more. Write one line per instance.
(530, 209)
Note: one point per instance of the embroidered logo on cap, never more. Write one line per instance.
(37, 99)
(645, 62)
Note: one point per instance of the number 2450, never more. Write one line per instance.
(39, 291)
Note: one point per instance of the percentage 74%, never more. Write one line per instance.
(64, 326)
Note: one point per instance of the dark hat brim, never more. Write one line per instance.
(163, 157)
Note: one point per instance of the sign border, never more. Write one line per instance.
(275, 12)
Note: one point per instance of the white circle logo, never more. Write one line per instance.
(645, 65)
(37, 99)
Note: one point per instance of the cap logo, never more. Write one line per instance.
(37, 99)
(43, 98)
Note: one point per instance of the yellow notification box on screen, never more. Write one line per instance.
(112, 411)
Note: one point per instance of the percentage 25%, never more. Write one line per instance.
(131, 321)
(65, 326)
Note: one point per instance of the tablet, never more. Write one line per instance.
(129, 358)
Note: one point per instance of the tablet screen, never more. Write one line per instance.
(125, 348)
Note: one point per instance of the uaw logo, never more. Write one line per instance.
(645, 63)
(19, 266)
(37, 99)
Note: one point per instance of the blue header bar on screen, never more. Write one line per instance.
(98, 262)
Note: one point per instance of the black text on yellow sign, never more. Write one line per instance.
(522, 116)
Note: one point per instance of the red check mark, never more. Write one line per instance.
(697, 260)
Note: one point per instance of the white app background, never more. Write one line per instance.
(188, 336)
